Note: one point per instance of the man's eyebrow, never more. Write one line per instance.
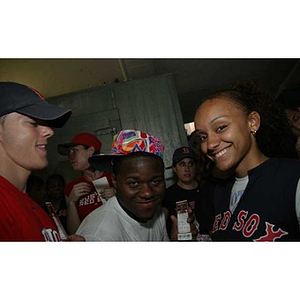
(132, 177)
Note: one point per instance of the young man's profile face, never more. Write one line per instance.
(24, 142)
(78, 157)
(140, 186)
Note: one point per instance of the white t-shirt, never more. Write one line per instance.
(237, 191)
(111, 223)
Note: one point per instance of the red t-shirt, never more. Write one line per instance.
(86, 204)
(21, 218)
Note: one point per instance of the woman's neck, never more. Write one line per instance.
(250, 163)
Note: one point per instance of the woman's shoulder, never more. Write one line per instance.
(284, 163)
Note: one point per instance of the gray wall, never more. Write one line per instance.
(150, 105)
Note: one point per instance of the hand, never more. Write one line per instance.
(190, 219)
(107, 193)
(75, 238)
(79, 189)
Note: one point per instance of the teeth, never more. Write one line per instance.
(220, 153)
(42, 146)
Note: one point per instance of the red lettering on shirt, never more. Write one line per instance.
(239, 224)
(225, 221)
(251, 225)
(216, 223)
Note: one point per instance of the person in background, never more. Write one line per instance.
(194, 144)
(26, 121)
(135, 214)
(81, 195)
(55, 185)
(187, 187)
(35, 189)
(293, 115)
(289, 99)
(261, 201)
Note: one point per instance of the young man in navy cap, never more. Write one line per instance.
(81, 195)
(25, 126)
(186, 187)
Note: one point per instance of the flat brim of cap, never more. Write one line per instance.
(54, 116)
(103, 162)
(175, 161)
(64, 149)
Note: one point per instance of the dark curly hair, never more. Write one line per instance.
(274, 137)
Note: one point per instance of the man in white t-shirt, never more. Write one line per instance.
(135, 214)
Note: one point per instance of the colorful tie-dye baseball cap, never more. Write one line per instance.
(125, 142)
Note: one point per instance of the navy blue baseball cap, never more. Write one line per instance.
(182, 153)
(16, 97)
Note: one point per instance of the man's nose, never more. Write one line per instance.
(146, 191)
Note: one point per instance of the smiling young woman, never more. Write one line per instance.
(261, 201)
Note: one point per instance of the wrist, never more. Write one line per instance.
(70, 203)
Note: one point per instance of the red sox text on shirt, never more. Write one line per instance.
(247, 224)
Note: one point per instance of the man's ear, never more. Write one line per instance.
(91, 150)
(254, 121)
(174, 170)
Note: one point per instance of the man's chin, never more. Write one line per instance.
(41, 166)
(146, 217)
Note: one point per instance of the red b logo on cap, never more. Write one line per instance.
(38, 93)
(185, 150)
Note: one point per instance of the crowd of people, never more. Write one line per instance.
(239, 174)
